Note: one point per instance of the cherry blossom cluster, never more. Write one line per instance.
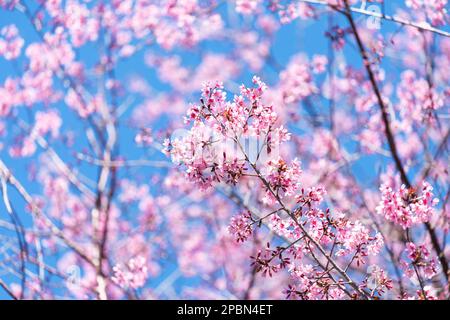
(306, 226)
(419, 257)
(435, 11)
(406, 207)
(10, 42)
(133, 275)
(213, 151)
(297, 79)
(416, 96)
(377, 280)
(240, 226)
(45, 122)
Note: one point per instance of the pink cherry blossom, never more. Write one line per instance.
(133, 275)
(10, 42)
(247, 6)
(406, 207)
(240, 227)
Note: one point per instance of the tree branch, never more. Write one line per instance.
(390, 136)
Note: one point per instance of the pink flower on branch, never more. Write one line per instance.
(407, 207)
(10, 42)
(133, 275)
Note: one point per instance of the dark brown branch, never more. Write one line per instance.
(390, 136)
(9, 292)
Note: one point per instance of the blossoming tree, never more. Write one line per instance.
(206, 149)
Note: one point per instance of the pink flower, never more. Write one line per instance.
(435, 10)
(283, 177)
(240, 226)
(132, 192)
(378, 280)
(268, 24)
(311, 195)
(319, 63)
(133, 275)
(10, 42)
(49, 121)
(406, 207)
(213, 149)
(352, 236)
(296, 81)
(10, 96)
(77, 101)
(8, 4)
(419, 256)
(296, 10)
(247, 6)
(26, 149)
(80, 23)
(149, 218)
